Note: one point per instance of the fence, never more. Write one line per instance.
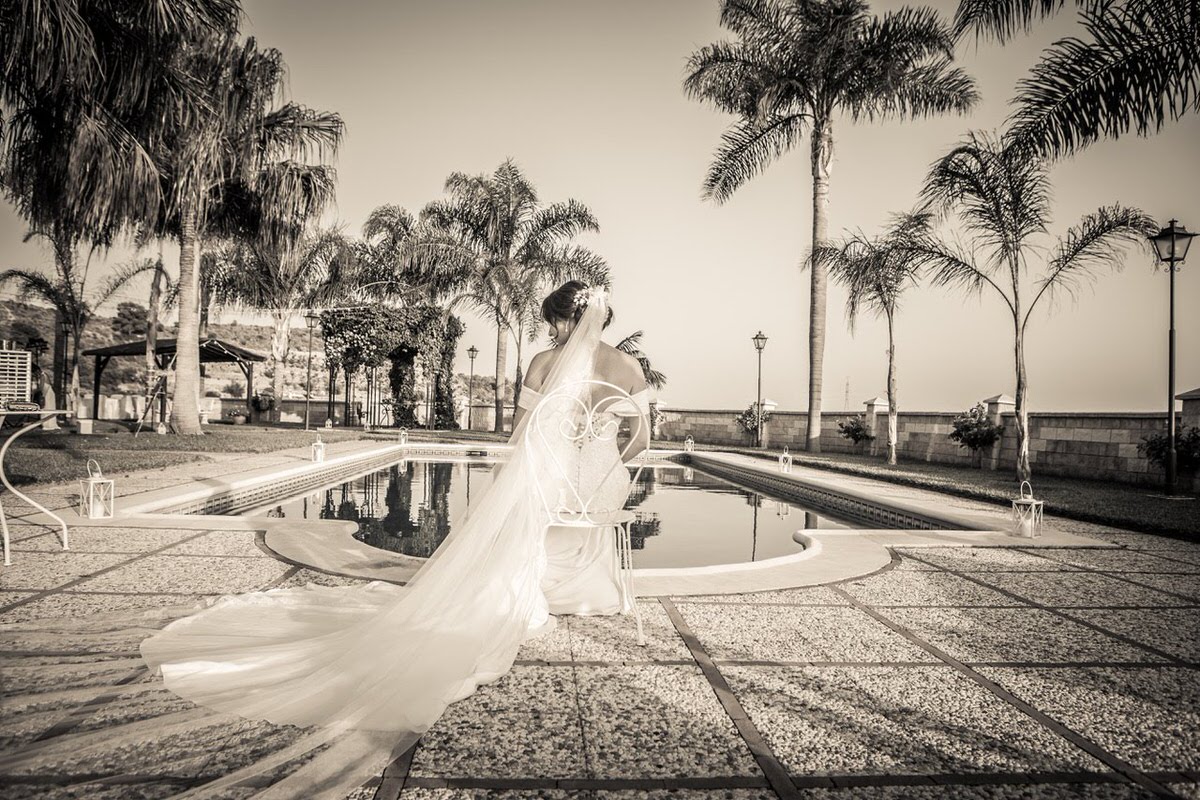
(1073, 444)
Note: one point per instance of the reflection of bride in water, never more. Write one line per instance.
(374, 665)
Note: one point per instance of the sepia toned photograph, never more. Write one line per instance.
(599, 399)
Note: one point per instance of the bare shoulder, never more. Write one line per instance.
(539, 368)
(624, 370)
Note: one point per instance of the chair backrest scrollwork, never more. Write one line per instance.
(560, 426)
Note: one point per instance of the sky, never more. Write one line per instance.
(587, 98)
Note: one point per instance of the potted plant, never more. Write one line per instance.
(237, 416)
(973, 429)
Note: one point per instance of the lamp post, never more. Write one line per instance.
(472, 351)
(760, 341)
(1171, 244)
(310, 319)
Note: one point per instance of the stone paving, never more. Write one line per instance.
(954, 672)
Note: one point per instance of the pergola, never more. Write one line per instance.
(212, 351)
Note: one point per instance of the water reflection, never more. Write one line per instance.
(682, 517)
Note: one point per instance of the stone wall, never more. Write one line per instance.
(1089, 445)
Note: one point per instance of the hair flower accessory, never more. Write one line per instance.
(592, 294)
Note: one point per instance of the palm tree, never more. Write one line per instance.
(1137, 67)
(67, 292)
(498, 233)
(529, 286)
(794, 65)
(875, 272)
(79, 86)
(1000, 197)
(282, 280)
(237, 166)
(632, 345)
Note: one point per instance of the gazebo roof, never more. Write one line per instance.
(212, 351)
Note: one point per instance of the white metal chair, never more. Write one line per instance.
(572, 416)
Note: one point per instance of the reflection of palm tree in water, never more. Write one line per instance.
(415, 529)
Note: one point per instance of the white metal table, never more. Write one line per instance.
(42, 416)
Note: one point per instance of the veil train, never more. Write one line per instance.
(375, 665)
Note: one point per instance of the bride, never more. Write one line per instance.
(373, 666)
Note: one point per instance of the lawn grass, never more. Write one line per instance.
(1136, 508)
(51, 456)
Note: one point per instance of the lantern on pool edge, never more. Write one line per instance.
(1027, 514)
(318, 450)
(689, 444)
(404, 436)
(785, 461)
(95, 494)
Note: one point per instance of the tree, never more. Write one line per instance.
(794, 65)
(283, 280)
(67, 291)
(82, 86)
(130, 320)
(491, 233)
(875, 272)
(530, 286)
(631, 345)
(79, 85)
(1000, 197)
(236, 168)
(1137, 67)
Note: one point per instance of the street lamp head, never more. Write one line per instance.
(472, 351)
(760, 341)
(1172, 242)
(311, 319)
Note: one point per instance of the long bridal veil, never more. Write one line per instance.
(373, 666)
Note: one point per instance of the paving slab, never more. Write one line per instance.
(1148, 716)
(781, 633)
(894, 721)
(1016, 635)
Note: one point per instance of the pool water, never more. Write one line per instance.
(686, 518)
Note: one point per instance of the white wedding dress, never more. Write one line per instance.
(373, 666)
(579, 577)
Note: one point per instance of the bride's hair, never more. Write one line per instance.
(568, 302)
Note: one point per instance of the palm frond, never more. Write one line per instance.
(1001, 19)
(120, 277)
(746, 149)
(1139, 68)
(35, 284)
(1097, 242)
(631, 345)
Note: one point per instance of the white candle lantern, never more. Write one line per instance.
(785, 461)
(1027, 514)
(318, 450)
(689, 444)
(404, 436)
(95, 494)
(328, 423)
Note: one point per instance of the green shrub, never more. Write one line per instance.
(748, 419)
(973, 429)
(1187, 449)
(855, 429)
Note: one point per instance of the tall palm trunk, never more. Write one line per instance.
(185, 414)
(1022, 411)
(60, 359)
(279, 351)
(152, 329)
(822, 153)
(520, 372)
(893, 408)
(73, 366)
(501, 368)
